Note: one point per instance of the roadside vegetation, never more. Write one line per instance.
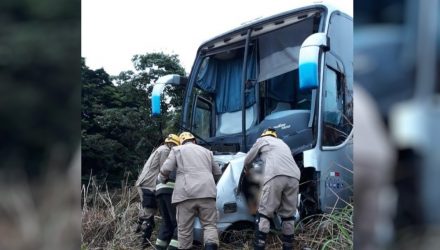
(109, 222)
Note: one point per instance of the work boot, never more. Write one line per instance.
(147, 228)
(161, 244)
(260, 240)
(139, 225)
(173, 244)
(288, 241)
(211, 246)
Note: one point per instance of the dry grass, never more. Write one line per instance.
(327, 231)
(109, 222)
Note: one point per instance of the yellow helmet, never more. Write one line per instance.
(269, 131)
(173, 138)
(185, 136)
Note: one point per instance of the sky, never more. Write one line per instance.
(112, 31)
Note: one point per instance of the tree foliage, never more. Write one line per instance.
(118, 132)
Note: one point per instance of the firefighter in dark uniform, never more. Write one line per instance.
(167, 236)
(195, 192)
(146, 185)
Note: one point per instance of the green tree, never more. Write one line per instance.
(118, 132)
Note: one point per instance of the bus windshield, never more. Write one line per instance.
(271, 81)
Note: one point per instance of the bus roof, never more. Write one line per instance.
(237, 34)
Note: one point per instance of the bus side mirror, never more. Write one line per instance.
(309, 56)
(159, 87)
(172, 79)
(156, 99)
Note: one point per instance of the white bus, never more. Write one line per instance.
(292, 71)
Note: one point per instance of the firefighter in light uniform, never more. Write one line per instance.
(279, 188)
(146, 185)
(195, 190)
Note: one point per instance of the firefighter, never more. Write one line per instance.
(195, 190)
(279, 187)
(167, 236)
(146, 186)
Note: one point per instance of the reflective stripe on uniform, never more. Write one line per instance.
(174, 243)
(161, 243)
(165, 185)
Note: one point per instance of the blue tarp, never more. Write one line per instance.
(224, 78)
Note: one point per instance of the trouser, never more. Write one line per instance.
(205, 209)
(148, 202)
(280, 194)
(168, 227)
(146, 213)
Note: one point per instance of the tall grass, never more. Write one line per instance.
(108, 219)
(109, 222)
(328, 231)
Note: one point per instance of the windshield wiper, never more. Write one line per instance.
(195, 135)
